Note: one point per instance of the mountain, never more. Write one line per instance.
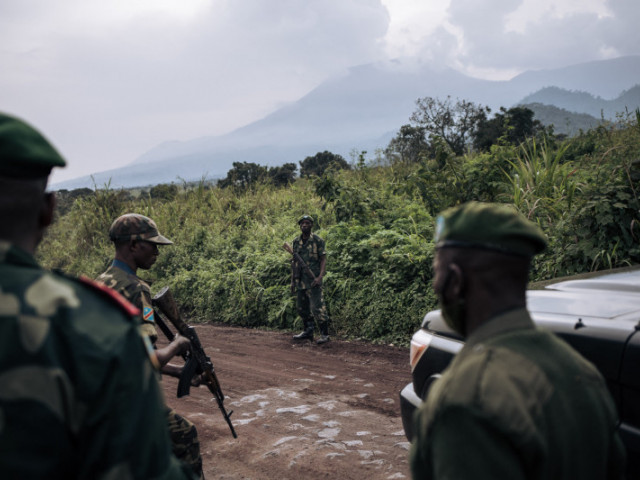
(563, 121)
(584, 102)
(360, 110)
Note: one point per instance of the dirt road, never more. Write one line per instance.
(301, 410)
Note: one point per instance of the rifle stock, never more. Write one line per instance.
(198, 361)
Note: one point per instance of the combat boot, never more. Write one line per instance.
(306, 334)
(324, 333)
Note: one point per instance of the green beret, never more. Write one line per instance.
(305, 217)
(24, 152)
(490, 226)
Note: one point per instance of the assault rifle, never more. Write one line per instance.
(197, 362)
(299, 260)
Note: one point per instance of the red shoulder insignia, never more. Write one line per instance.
(111, 293)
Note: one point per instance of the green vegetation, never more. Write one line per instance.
(377, 218)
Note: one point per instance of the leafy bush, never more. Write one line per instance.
(227, 263)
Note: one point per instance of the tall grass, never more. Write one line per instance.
(227, 263)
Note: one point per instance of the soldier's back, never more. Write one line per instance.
(525, 395)
(71, 359)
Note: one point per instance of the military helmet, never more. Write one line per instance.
(24, 152)
(305, 217)
(133, 226)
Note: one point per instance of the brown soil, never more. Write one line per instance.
(301, 410)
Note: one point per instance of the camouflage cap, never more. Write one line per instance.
(491, 226)
(24, 152)
(305, 217)
(133, 226)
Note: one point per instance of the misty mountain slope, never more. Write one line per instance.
(563, 121)
(353, 109)
(583, 102)
(603, 78)
(360, 110)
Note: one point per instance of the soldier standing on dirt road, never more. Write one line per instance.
(136, 239)
(78, 393)
(309, 301)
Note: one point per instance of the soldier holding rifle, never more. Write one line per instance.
(136, 239)
(308, 267)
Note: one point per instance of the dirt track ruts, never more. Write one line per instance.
(301, 410)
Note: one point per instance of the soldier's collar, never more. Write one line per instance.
(122, 266)
(9, 253)
(505, 322)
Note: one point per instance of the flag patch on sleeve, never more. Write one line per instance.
(147, 314)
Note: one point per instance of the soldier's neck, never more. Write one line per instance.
(127, 261)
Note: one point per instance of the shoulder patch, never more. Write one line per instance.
(147, 314)
(118, 299)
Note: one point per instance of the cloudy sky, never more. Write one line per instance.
(106, 80)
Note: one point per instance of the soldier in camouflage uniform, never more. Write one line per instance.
(136, 240)
(78, 393)
(516, 402)
(309, 301)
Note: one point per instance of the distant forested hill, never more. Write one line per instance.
(583, 102)
(563, 121)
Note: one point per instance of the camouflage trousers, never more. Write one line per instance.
(310, 306)
(184, 440)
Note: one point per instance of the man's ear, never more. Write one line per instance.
(456, 281)
(47, 210)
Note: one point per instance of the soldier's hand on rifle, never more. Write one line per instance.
(177, 346)
(198, 380)
(317, 282)
(180, 345)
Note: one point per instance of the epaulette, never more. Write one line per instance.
(110, 293)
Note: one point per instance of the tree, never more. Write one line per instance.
(409, 145)
(513, 126)
(243, 175)
(316, 165)
(283, 175)
(454, 123)
(164, 191)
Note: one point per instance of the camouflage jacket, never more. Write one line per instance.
(78, 396)
(519, 403)
(311, 252)
(124, 281)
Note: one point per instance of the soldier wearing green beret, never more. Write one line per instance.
(307, 282)
(136, 239)
(78, 396)
(516, 401)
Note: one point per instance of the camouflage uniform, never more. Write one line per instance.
(123, 280)
(309, 301)
(517, 402)
(120, 277)
(78, 396)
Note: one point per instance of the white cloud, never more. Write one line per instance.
(410, 23)
(108, 80)
(499, 38)
(531, 12)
